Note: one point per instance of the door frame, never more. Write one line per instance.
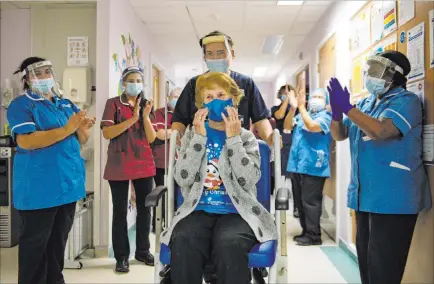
(318, 83)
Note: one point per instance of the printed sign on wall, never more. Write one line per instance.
(78, 51)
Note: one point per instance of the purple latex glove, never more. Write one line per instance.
(337, 114)
(341, 96)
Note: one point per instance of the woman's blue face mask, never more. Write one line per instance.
(134, 89)
(216, 107)
(43, 85)
(172, 103)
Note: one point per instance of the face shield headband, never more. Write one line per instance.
(42, 86)
(213, 39)
(130, 70)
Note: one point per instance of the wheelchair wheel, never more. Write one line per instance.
(258, 276)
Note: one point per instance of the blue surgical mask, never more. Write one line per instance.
(172, 103)
(317, 104)
(216, 107)
(375, 86)
(43, 85)
(217, 65)
(283, 98)
(134, 89)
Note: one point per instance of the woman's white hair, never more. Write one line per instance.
(176, 91)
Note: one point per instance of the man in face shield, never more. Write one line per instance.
(49, 173)
(218, 54)
(389, 185)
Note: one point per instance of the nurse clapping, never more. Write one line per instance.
(49, 173)
(389, 185)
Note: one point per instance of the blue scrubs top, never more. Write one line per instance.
(310, 151)
(50, 176)
(389, 177)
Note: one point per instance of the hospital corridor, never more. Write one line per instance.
(216, 141)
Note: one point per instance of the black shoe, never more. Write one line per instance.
(296, 214)
(122, 266)
(147, 258)
(295, 238)
(308, 241)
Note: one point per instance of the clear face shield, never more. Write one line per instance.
(41, 79)
(217, 60)
(379, 73)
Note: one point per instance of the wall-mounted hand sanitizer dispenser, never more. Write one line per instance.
(76, 85)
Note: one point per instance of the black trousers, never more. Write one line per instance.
(121, 244)
(383, 242)
(44, 234)
(308, 199)
(201, 238)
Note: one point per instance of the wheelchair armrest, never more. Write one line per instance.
(155, 195)
(282, 199)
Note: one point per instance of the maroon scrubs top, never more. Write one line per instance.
(159, 123)
(129, 155)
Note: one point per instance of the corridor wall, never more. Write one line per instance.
(395, 36)
(116, 18)
(337, 21)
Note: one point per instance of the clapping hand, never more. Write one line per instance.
(301, 98)
(136, 113)
(148, 109)
(87, 123)
(75, 122)
(339, 99)
(293, 102)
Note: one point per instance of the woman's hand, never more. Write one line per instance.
(75, 122)
(339, 97)
(232, 123)
(301, 99)
(293, 102)
(136, 113)
(148, 109)
(87, 123)
(199, 121)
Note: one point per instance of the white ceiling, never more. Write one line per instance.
(248, 22)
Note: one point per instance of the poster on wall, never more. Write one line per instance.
(419, 89)
(377, 21)
(406, 11)
(416, 52)
(131, 57)
(361, 32)
(387, 44)
(356, 80)
(383, 19)
(428, 144)
(389, 16)
(357, 76)
(431, 38)
(78, 51)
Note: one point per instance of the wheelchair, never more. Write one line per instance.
(270, 255)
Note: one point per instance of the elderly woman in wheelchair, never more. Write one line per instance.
(220, 219)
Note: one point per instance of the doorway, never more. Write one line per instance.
(326, 70)
(156, 86)
(303, 81)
